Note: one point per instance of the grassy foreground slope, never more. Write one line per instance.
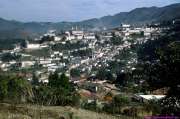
(8, 111)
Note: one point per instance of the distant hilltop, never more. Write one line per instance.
(138, 16)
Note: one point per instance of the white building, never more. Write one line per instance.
(145, 98)
(125, 26)
(74, 34)
(57, 38)
(25, 64)
(45, 62)
(51, 33)
(69, 36)
(33, 46)
(88, 36)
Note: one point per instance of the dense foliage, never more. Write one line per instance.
(9, 44)
(15, 89)
(6, 57)
(58, 91)
(68, 46)
(161, 67)
(75, 73)
(82, 53)
(116, 40)
(116, 105)
(46, 39)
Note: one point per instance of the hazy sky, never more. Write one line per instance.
(70, 10)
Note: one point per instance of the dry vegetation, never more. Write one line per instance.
(8, 111)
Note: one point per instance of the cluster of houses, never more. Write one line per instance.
(101, 53)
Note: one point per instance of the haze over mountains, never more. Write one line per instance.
(15, 29)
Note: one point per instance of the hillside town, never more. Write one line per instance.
(80, 55)
(89, 59)
(78, 49)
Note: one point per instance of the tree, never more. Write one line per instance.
(116, 40)
(91, 106)
(53, 79)
(6, 57)
(15, 89)
(117, 103)
(62, 92)
(152, 106)
(101, 74)
(19, 90)
(119, 100)
(122, 79)
(75, 73)
(104, 74)
(3, 87)
(64, 81)
(97, 37)
(35, 80)
(46, 39)
(23, 44)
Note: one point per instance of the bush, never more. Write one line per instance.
(15, 89)
(117, 103)
(59, 91)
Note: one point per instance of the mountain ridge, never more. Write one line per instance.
(137, 16)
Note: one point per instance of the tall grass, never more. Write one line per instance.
(8, 111)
